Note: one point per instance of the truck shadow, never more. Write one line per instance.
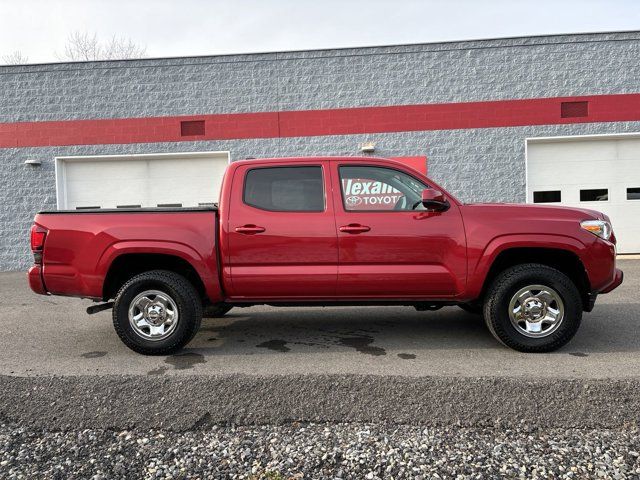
(368, 330)
(375, 330)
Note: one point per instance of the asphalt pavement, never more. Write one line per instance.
(46, 335)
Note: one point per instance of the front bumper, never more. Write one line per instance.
(617, 280)
(35, 280)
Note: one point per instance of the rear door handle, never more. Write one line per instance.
(354, 228)
(250, 229)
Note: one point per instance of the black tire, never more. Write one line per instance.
(216, 310)
(508, 283)
(183, 294)
(473, 308)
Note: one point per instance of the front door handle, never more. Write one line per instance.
(250, 229)
(354, 228)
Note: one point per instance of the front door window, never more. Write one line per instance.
(369, 188)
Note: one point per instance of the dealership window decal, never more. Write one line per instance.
(371, 188)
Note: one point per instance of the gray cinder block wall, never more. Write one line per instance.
(475, 164)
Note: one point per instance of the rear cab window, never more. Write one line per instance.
(285, 189)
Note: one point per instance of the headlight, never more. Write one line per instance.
(598, 227)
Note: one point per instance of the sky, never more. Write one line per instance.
(40, 28)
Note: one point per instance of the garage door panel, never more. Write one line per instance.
(96, 193)
(628, 150)
(572, 165)
(145, 180)
(579, 151)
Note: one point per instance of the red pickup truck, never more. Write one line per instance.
(329, 231)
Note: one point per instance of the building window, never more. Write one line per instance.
(594, 195)
(633, 193)
(547, 196)
(574, 109)
(285, 189)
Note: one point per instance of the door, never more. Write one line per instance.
(134, 181)
(600, 173)
(389, 246)
(281, 232)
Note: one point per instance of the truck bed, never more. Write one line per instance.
(82, 245)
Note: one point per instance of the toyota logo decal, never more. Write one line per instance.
(353, 200)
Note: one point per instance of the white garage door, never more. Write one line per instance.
(600, 173)
(132, 181)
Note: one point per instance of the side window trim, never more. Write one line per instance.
(368, 165)
(312, 165)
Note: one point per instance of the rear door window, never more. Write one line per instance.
(285, 189)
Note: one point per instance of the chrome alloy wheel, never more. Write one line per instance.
(536, 311)
(153, 315)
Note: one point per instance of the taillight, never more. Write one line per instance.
(38, 235)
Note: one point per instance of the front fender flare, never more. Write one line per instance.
(478, 272)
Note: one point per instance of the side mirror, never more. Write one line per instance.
(433, 199)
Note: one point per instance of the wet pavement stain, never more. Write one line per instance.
(276, 345)
(363, 345)
(158, 371)
(579, 354)
(407, 356)
(93, 354)
(184, 361)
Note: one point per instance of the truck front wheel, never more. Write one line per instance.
(533, 308)
(157, 312)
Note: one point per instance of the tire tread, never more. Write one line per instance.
(188, 295)
(509, 277)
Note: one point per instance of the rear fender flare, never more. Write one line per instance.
(206, 271)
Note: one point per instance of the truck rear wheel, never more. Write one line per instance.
(157, 312)
(533, 308)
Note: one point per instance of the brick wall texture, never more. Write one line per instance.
(475, 164)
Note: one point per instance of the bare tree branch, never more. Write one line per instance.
(15, 58)
(85, 47)
(123, 48)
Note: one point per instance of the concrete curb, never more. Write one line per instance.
(186, 403)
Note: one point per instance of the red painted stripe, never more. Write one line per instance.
(304, 123)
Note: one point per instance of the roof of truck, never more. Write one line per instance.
(358, 158)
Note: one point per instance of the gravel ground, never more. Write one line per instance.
(320, 451)
(114, 402)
